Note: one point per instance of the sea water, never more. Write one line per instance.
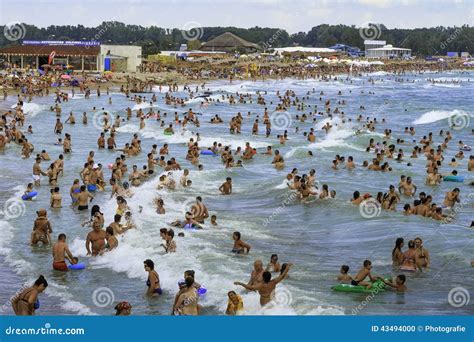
(317, 237)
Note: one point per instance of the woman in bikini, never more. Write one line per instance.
(26, 303)
(153, 281)
(411, 261)
(397, 254)
(187, 303)
(240, 247)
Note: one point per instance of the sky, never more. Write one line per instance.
(291, 15)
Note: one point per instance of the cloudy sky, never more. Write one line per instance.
(292, 15)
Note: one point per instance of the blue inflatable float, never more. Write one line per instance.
(29, 195)
(78, 266)
(91, 187)
(208, 153)
(452, 178)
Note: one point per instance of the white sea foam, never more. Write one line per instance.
(437, 115)
(31, 109)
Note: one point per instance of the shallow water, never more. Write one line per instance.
(317, 237)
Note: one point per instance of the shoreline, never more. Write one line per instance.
(174, 78)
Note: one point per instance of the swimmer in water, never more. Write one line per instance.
(240, 247)
(153, 281)
(26, 302)
(226, 187)
(266, 289)
(60, 253)
(344, 277)
(364, 272)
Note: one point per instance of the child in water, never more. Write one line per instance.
(344, 277)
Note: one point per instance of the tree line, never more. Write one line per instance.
(153, 39)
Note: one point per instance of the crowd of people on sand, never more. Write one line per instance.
(123, 182)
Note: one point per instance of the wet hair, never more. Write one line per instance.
(95, 209)
(189, 281)
(344, 269)
(398, 245)
(411, 244)
(402, 278)
(41, 281)
(267, 276)
(149, 264)
(109, 230)
(189, 273)
(237, 234)
(62, 236)
(171, 233)
(367, 263)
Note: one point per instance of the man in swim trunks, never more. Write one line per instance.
(60, 253)
(266, 289)
(96, 239)
(83, 198)
(199, 210)
(409, 189)
(423, 254)
(37, 172)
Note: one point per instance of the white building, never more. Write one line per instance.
(388, 51)
(373, 44)
(302, 49)
(119, 57)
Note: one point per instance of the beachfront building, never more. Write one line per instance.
(120, 57)
(78, 55)
(388, 51)
(230, 43)
(373, 44)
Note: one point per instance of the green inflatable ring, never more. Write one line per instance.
(168, 133)
(378, 286)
